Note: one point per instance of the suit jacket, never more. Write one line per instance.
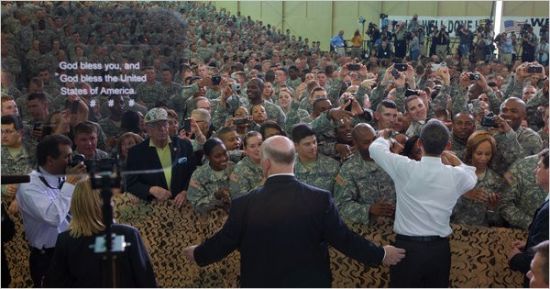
(144, 157)
(283, 231)
(538, 232)
(75, 264)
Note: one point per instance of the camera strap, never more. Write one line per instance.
(41, 177)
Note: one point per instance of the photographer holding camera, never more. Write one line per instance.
(44, 202)
(529, 43)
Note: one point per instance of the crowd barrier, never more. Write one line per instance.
(478, 253)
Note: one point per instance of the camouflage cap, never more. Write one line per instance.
(156, 114)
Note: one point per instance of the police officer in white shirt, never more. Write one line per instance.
(44, 202)
(426, 191)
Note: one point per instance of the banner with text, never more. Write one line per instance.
(508, 23)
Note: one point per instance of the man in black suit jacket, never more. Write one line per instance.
(284, 228)
(521, 254)
(155, 153)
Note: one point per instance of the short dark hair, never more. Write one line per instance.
(49, 147)
(387, 103)
(270, 124)
(210, 144)
(39, 96)
(12, 119)
(85, 127)
(542, 249)
(543, 155)
(434, 136)
(224, 131)
(301, 131)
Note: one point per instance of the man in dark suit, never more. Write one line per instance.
(283, 230)
(160, 167)
(521, 254)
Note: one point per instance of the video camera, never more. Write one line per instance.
(98, 169)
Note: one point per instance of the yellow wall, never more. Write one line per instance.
(319, 20)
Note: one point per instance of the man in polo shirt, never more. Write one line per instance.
(426, 193)
(160, 167)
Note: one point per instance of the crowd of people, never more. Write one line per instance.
(411, 40)
(218, 85)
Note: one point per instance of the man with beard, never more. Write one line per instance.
(463, 127)
(364, 192)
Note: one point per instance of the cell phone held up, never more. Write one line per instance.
(489, 120)
(534, 69)
(354, 66)
(187, 125)
(400, 66)
(474, 76)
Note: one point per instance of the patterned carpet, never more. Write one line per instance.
(478, 254)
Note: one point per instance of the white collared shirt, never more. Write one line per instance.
(44, 208)
(426, 190)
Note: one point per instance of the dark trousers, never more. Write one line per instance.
(39, 263)
(427, 263)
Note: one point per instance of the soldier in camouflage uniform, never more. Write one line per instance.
(311, 167)
(247, 174)
(463, 127)
(364, 192)
(150, 92)
(522, 196)
(479, 205)
(474, 212)
(209, 184)
(254, 91)
(171, 88)
(17, 159)
(513, 140)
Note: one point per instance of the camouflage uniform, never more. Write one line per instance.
(149, 94)
(414, 128)
(178, 101)
(20, 164)
(274, 112)
(471, 212)
(245, 177)
(320, 173)
(515, 145)
(205, 182)
(458, 147)
(110, 127)
(172, 89)
(359, 184)
(544, 136)
(294, 117)
(523, 196)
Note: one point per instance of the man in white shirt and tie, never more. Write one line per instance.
(426, 191)
(45, 201)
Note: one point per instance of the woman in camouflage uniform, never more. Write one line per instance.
(247, 174)
(478, 206)
(209, 185)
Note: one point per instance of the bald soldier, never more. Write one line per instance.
(513, 141)
(463, 127)
(364, 192)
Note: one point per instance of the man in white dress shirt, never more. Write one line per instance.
(45, 201)
(426, 191)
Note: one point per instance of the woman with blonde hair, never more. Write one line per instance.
(478, 206)
(75, 264)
